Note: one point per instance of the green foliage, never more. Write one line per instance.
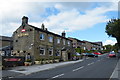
(28, 60)
(108, 48)
(116, 47)
(78, 50)
(56, 57)
(113, 29)
(51, 58)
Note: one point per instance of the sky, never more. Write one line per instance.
(81, 19)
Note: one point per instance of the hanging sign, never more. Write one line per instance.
(23, 30)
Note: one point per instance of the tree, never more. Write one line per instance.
(108, 48)
(115, 47)
(113, 29)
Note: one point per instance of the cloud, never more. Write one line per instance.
(8, 31)
(72, 16)
(111, 42)
(72, 20)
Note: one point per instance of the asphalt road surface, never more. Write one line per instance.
(100, 68)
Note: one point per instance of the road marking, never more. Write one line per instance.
(10, 77)
(58, 75)
(78, 68)
(114, 73)
(87, 58)
(99, 60)
(91, 63)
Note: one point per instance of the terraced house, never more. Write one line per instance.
(78, 43)
(39, 43)
(86, 45)
(6, 45)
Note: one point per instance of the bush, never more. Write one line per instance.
(28, 60)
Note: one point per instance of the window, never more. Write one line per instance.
(50, 39)
(82, 44)
(24, 51)
(16, 40)
(84, 48)
(18, 51)
(58, 41)
(50, 51)
(63, 42)
(42, 51)
(68, 43)
(41, 36)
(57, 53)
(30, 29)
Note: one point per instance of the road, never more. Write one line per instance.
(100, 68)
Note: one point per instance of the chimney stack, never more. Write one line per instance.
(43, 27)
(63, 33)
(24, 21)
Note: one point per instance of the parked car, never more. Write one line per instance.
(112, 54)
(92, 55)
(84, 54)
(97, 53)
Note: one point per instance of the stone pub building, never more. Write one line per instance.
(39, 43)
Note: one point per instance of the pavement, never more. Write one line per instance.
(98, 68)
(116, 72)
(26, 70)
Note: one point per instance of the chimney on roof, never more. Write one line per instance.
(24, 21)
(46, 29)
(63, 33)
(43, 26)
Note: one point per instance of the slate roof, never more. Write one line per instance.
(48, 32)
(5, 38)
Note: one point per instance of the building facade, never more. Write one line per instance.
(39, 43)
(78, 43)
(86, 45)
(6, 45)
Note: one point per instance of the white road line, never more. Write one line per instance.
(78, 68)
(10, 77)
(99, 60)
(87, 58)
(114, 73)
(91, 63)
(58, 75)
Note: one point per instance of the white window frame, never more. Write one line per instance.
(42, 36)
(50, 49)
(64, 41)
(50, 39)
(58, 41)
(68, 43)
(44, 51)
(58, 53)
